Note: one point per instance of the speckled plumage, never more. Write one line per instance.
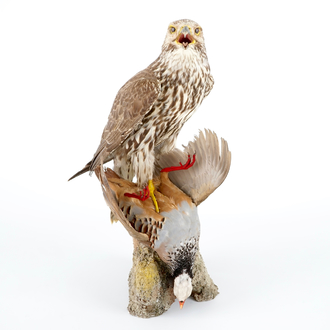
(173, 233)
(151, 108)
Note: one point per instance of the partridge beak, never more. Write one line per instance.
(181, 304)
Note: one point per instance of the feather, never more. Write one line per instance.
(112, 202)
(84, 170)
(133, 101)
(209, 170)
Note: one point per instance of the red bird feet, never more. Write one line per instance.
(144, 194)
(148, 191)
(187, 165)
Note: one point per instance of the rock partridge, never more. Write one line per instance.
(174, 232)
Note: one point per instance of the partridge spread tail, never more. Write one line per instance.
(209, 171)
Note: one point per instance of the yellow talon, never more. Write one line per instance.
(151, 191)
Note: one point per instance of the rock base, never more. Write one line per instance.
(151, 283)
(203, 287)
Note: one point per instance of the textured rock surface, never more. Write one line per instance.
(203, 287)
(151, 284)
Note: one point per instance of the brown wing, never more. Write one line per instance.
(209, 170)
(133, 101)
(209, 85)
(112, 202)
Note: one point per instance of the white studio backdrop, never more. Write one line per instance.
(265, 231)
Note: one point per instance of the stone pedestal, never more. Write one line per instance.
(151, 283)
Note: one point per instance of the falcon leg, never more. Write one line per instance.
(145, 155)
(187, 165)
(147, 192)
(151, 190)
(123, 167)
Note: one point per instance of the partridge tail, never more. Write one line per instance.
(209, 171)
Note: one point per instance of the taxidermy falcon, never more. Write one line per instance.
(151, 108)
(174, 232)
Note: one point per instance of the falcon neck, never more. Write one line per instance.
(177, 62)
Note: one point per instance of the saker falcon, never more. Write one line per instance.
(151, 108)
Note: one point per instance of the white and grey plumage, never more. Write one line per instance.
(151, 108)
(174, 232)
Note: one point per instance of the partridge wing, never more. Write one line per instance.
(112, 202)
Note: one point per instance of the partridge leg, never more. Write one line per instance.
(144, 194)
(148, 191)
(187, 165)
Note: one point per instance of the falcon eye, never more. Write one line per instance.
(197, 31)
(172, 29)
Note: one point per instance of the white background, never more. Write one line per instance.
(265, 231)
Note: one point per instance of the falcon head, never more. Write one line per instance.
(184, 34)
(182, 287)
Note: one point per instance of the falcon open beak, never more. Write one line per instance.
(181, 304)
(185, 38)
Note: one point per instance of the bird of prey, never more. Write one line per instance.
(174, 232)
(151, 108)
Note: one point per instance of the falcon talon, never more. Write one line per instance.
(151, 188)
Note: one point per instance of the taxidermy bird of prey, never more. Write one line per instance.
(174, 232)
(151, 108)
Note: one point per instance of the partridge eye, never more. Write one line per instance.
(172, 29)
(197, 31)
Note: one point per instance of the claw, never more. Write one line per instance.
(187, 165)
(144, 194)
(147, 192)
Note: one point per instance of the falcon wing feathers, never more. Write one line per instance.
(133, 101)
